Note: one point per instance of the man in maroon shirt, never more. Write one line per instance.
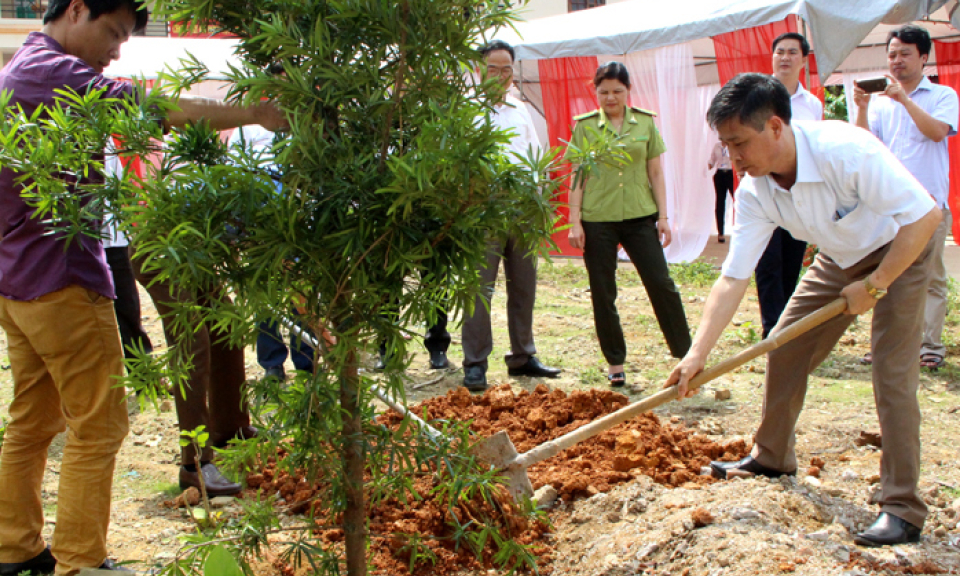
(56, 308)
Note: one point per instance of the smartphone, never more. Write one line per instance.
(873, 85)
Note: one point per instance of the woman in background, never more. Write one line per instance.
(625, 204)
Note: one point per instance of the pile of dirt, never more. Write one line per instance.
(669, 455)
(672, 456)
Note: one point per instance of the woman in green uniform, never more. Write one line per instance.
(625, 204)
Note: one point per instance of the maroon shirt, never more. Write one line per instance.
(32, 261)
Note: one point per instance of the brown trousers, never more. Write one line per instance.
(213, 394)
(65, 355)
(895, 343)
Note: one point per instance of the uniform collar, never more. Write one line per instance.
(800, 91)
(628, 117)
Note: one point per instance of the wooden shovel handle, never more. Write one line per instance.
(590, 430)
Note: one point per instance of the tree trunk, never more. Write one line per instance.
(354, 458)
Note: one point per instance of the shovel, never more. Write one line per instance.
(499, 452)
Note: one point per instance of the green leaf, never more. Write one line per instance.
(221, 563)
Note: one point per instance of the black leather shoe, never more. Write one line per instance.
(534, 367)
(216, 483)
(888, 530)
(475, 378)
(275, 373)
(748, 464)
(438, 360)
(42, 563)
(109, 565)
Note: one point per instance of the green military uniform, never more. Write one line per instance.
(617, 192)
(618, 208)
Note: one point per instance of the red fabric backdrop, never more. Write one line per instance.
(567, 87)
(948, 66)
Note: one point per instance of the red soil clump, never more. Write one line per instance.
(671, 456)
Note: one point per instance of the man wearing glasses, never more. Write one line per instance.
(520, 264)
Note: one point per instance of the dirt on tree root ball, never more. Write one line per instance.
(670, 455)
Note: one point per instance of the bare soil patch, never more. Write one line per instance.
(628, 523)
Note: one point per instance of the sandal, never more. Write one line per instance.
(617, 380)
(867, 359)
(932, 361)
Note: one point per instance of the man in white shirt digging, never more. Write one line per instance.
(834, 185)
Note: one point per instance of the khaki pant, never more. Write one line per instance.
(895, 344)
(65, 354)
(936, 309)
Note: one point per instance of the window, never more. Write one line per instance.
(574, 5)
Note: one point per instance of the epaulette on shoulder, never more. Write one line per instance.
(587, 115)
(642, 111)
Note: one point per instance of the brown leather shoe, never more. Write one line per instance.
(216, 483)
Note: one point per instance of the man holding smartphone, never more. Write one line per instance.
(914, 117)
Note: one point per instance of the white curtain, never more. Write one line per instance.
(664, 80)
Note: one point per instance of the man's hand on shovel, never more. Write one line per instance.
(691, 365)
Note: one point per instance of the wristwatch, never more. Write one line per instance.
(872, 290)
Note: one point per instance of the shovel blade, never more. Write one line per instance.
(499, 453)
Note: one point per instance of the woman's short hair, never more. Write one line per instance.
(612, 70)
(752, 99)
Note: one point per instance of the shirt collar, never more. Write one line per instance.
(41, 39)
(925, 84)
(800, 91)
(628, 117)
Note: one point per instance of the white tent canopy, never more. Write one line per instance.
(837, 26)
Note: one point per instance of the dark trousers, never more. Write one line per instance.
(213, 393)
(437, 339)
(640, 240)
(272, 351)
(127, 304)
(777, 273)
(520, 268)
(722, 185)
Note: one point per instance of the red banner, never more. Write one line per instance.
(567, 87)
(948, 66)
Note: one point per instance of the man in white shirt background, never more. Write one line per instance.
(834, 185)
(914, 117)
(779, 268)
(520, 263)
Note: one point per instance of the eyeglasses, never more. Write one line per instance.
(500, 70)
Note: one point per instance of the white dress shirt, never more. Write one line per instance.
(850, 198)
(805, 106)
(927, 160)
(512, 114)
(113, 236)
